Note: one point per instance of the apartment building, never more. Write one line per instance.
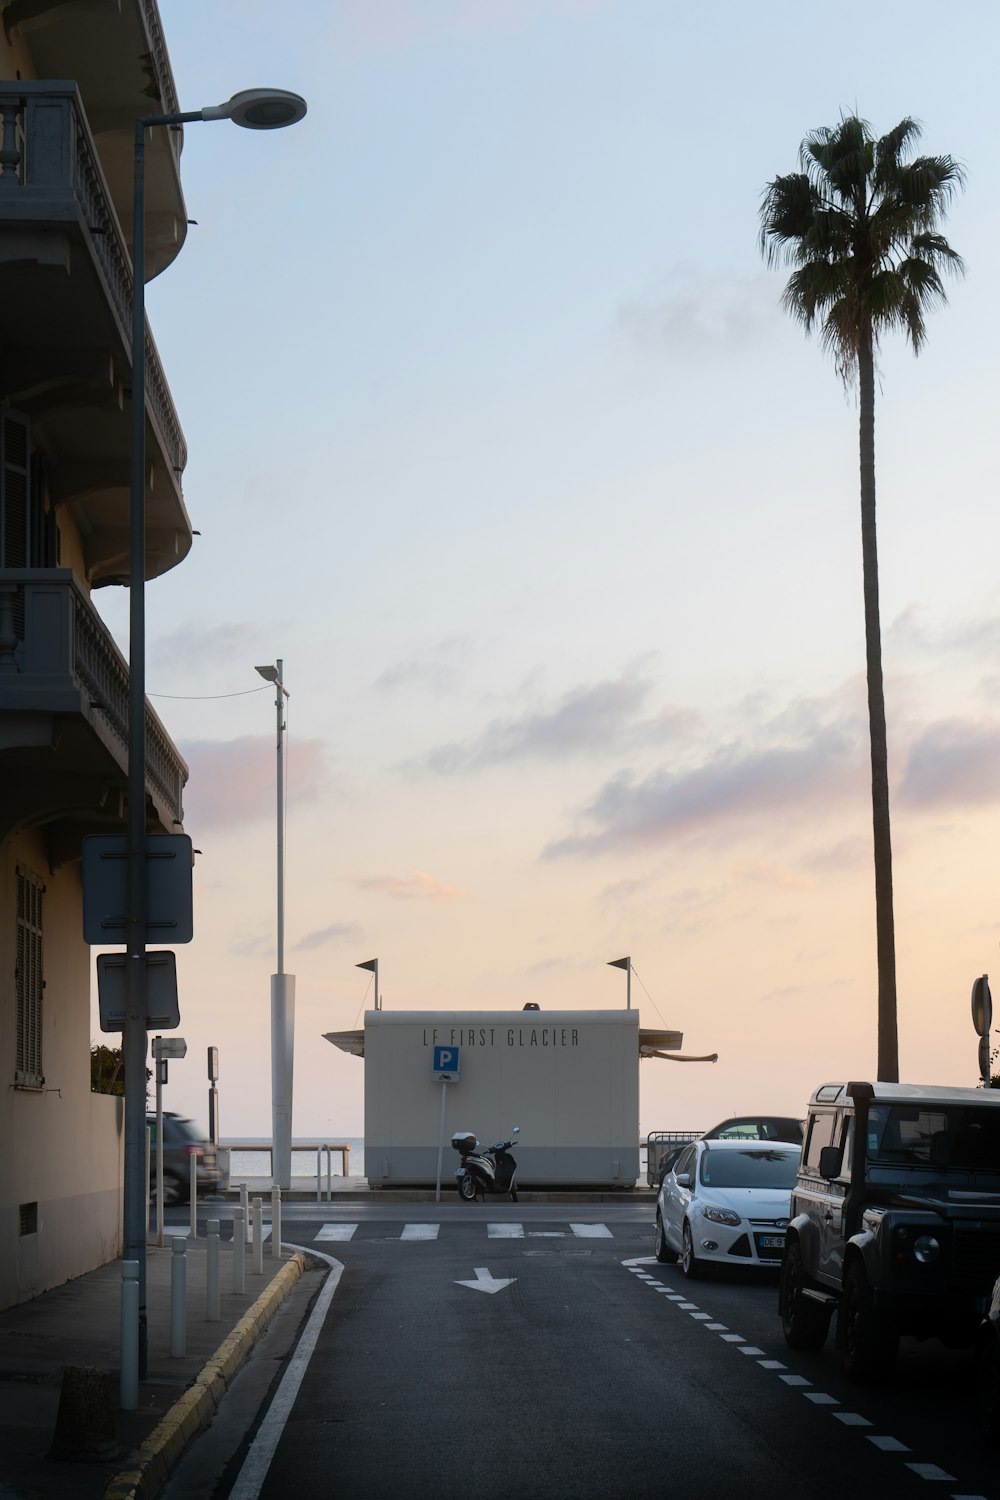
(73, 79)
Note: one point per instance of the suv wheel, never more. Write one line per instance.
(868, 1344)
(661, 1249)
(805, 1323)
(174, 1190)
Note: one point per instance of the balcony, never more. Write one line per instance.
(64, 719)
(66, 280)
(117, 56)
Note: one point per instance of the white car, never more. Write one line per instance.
(726, 1203)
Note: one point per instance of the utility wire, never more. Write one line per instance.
(208, 697)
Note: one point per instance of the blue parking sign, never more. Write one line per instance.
(446, 1061)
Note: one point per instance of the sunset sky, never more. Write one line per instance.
(500, 438)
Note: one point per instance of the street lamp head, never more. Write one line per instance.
(259, 109)
(269, 674)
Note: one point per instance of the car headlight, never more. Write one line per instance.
(720, 1215)
(926, 1249)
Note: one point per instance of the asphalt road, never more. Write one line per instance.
(594, 1372)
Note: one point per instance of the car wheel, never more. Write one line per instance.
(868, 1343)
(690, 1264)
(174, 1191)
(661, 1249)
(467, 1188)
(805, 1323)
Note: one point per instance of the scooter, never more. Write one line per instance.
(482, 1171)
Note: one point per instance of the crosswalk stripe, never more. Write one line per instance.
(592, 1231)
(337, 1232)
(505, 1231)
(420, 1231)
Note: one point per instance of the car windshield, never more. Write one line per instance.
(764, 1168)
(956, 1138)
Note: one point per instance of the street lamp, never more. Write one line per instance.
(371, 964)
(255, 109)
(626, 964)
(282, 984)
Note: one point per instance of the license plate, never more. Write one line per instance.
(770, 1242)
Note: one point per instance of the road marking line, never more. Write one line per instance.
(930, 1471)
(592, 1231)
(547, 1234)
(799, 1380)
(505, 1231)
(716, 1327)
(340, 1232)
(751, 1349)
(733, 1338)
(851, 1418)
(821, 1398)
(771, 1364)
(700, 1315)
(420, 1231)
(250, 1479)
(687, 1306)
(888, 1444)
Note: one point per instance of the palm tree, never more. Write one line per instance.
(860, 225)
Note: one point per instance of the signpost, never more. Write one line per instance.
(446, 1063)
(163, 1048)
(982, 1019)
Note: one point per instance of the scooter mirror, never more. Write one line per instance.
(516, 1130)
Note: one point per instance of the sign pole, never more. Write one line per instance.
(160, 1066)
(444, 1094)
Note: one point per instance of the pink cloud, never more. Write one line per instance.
(233, 781)
(419, 887)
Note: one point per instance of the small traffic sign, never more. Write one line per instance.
(446, 1063)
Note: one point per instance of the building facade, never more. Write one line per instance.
(73, 80)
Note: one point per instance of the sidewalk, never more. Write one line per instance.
(78, 1324)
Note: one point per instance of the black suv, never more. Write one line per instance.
(895, 1220)
(182, 1139)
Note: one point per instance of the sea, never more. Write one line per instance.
(244, 1164)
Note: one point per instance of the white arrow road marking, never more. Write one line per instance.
(484, 1282)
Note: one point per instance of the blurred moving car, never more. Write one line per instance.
(182, 1139)
(726, 1202)
(757, 1128)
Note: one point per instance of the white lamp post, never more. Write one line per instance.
(282, 984)
(256, 109)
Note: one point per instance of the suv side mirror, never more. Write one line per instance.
(831, 1160)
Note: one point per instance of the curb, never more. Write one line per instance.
(157, 1455)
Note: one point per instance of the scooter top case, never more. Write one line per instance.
(465, 1142)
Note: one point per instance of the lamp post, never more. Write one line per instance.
(371, 964)
(255, 109)
(626, 964)
(282, 984)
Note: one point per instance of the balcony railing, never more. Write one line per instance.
(50, 174)
(57, 656)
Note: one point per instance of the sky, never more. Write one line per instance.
(500, 439)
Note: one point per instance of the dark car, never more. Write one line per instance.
(182, 1139)
(757, 1128)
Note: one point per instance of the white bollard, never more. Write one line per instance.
(258, 1238)
(130, 1336)
(245, 1205)
(239, 1253)
(212, 1271)
(178, 1298)
(193, 1193)
(147, 1187)
(275, 1246)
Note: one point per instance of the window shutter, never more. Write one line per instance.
(29, 983)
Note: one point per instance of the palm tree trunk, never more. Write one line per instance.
(888, 1044)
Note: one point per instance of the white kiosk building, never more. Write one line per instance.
(569, 1079)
